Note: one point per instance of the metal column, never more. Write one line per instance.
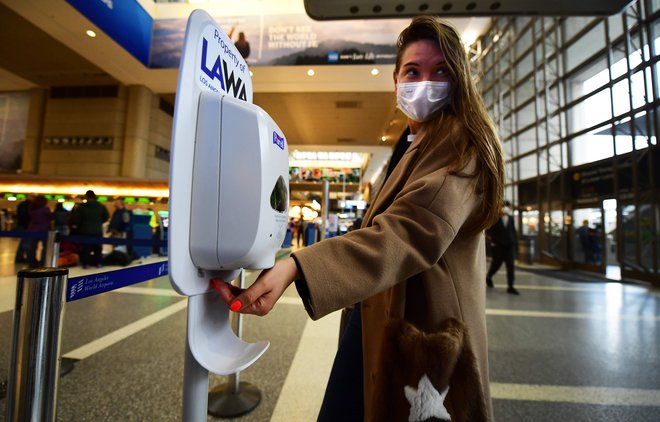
(35, 355)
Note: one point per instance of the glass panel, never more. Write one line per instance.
(505, 128)
(554, 231)
(528, 167)
(525, 66)
(638, 89)
(609, 223)
(584, 47)
(530, 223)
(590, 112)
(629, 235)
(655, 5)
(540, 98)
(555, 159)
(589, 79)
(553, 102)
(573, 25)
(542, 135)
(509, 174)
(616, 26)
(587, 235)
(543, 162)
(525, 90)
(521, 22)
(646, 235)
(619, 66)
(591, 147)
(649, 85)
(509, 191)
(620, 93)
(507, 147)
(554, 128)
(623, 144)
(526, 115)
(527, 140)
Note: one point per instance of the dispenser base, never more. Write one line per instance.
(225, 403)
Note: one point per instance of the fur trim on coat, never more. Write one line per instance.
(433, 375)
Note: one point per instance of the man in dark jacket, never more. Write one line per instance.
(88, 220)
(22, 222)
(502, 237)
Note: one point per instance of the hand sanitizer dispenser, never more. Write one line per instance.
(228, 196)
(240, 188)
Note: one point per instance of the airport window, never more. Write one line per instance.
(579, 91)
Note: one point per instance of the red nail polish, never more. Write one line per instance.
(236, 306)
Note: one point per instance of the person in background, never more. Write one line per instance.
(585, 241)
(415, 347)
(87, 220)
(22, 221)
(242, 45)
(300, 230)
(40, 221)
(61, 219)
(502, 236)
(356, 224)
(156, 228)
(595, 239)
(292, 228)
(120, 223)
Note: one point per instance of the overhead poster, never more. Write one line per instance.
(288, 40)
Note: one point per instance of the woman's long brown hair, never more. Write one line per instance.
(468, 107)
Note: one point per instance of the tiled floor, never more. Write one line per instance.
(561, 351)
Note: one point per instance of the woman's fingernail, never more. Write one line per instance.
(236, 306)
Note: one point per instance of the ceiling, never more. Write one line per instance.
(341, 108)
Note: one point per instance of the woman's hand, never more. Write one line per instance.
(261, 296)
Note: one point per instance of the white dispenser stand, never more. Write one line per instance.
(206, 141)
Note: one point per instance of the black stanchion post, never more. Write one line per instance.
(235, 397)
(35, 351)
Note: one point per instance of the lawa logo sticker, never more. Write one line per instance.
(278, 140)
(220, 66)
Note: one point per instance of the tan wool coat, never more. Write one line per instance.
(419, 276)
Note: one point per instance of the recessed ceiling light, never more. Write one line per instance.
(375, 71)
(310, 72)
(90, 33)
(383, 138)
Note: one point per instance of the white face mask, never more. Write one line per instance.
(419, 100)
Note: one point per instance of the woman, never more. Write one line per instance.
(417, 265)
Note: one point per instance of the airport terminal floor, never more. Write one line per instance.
(571, 347)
